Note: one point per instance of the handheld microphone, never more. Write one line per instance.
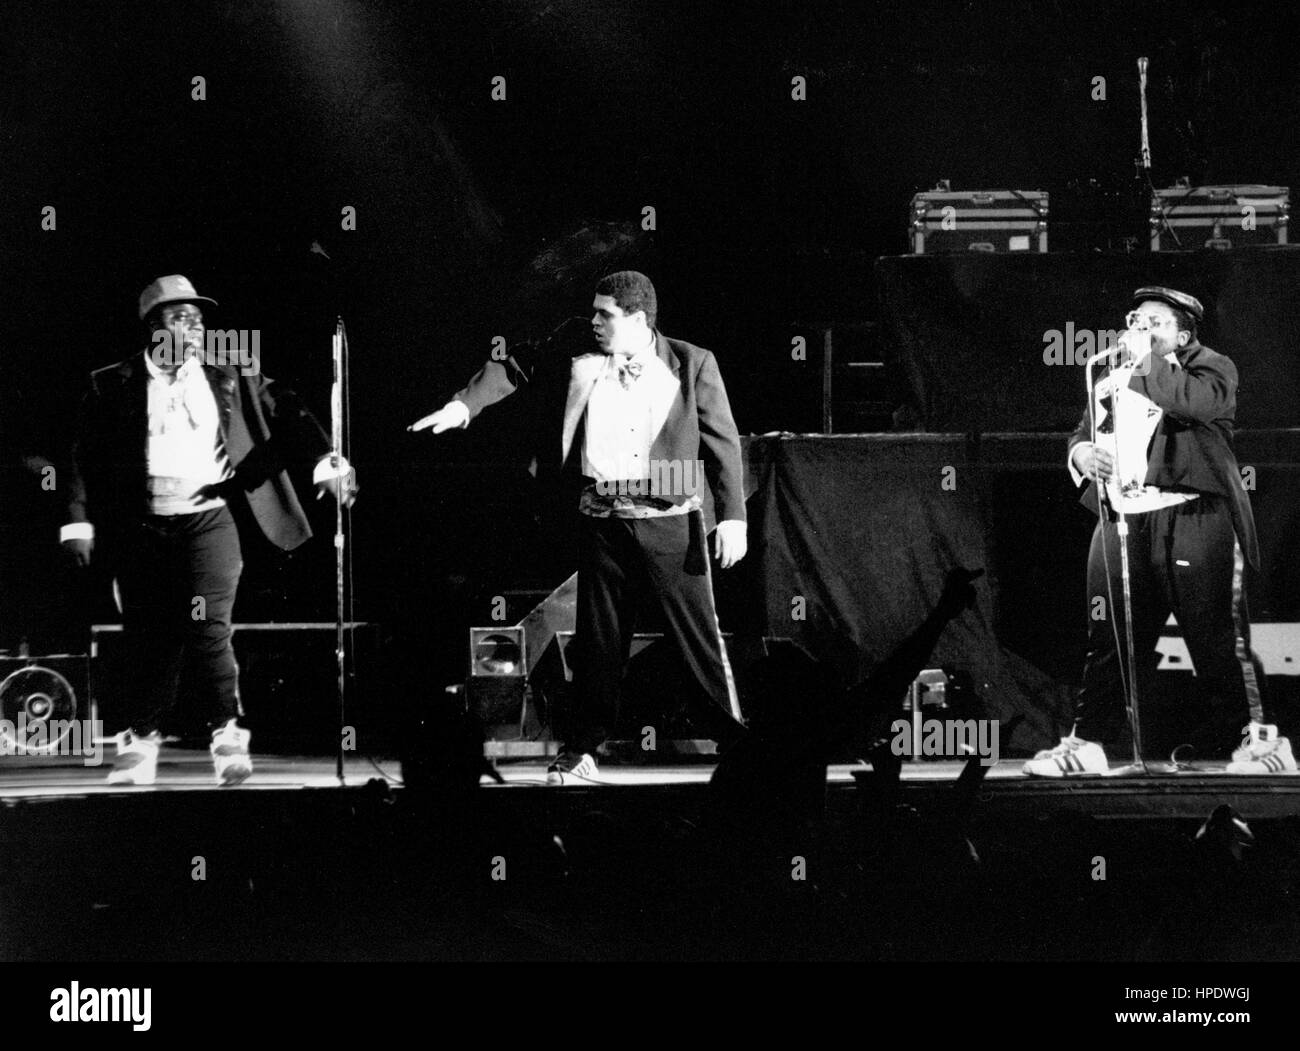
(1108, 352)
(1120, 346)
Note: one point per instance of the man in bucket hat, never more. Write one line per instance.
(1169, 463)
(167, 438)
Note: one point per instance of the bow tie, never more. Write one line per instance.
(628, 372)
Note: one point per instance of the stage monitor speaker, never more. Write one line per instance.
(44, 705)
(497, 684)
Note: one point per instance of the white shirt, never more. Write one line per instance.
(1126, 421)
(622, 423)
(619, 420)
(185, 451)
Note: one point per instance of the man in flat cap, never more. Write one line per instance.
(1163, 452)
(166, 439)
(630, 414)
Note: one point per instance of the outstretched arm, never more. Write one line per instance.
(296, 438)
(492, 383)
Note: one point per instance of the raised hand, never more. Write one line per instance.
(958, 592)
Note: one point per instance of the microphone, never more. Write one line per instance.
(1120, 346)
(1108, 352)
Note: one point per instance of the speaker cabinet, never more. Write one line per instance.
(45, 707)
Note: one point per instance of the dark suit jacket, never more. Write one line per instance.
(698, 425)
(1192, 448)
(264, 430)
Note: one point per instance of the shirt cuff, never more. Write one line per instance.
(76, 531)
(734, 521)
(1079, 478)
(326, 470)
(457, 405)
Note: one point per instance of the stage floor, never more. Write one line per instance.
(1160, 792)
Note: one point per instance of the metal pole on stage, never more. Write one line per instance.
(1142, 90)
(337, 403)
(1143, 172)
(1135, 725)
(1104, 498)
(1121, 520)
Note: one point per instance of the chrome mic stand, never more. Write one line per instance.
(1121, 528)
(1145, 157)
(337, 456)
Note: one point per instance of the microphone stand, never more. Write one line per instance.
(1142, 91)
(337, 403)
(1138, 765)
(1148, 191)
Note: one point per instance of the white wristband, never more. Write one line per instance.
(76, 531)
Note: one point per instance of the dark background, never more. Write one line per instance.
(769, 212)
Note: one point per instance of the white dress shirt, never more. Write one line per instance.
(185, 450)
(1126, 422)
(624, 415)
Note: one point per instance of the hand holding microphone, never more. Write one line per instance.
(1135, 346)
(1135, 343)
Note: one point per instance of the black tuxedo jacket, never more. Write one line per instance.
(264, 430)
(698, 424)
(1192, 448)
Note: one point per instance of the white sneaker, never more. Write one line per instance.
(578, 766)
(137, 759)
(230, 759)
(1262, 751)
(1071, 758)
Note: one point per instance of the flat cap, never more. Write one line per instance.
(1177, 300)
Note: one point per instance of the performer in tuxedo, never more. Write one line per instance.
(166, 439)
(1170, 464)
(643, 421)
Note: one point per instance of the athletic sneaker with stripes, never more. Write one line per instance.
(1262, 751)
(137, 759)
(1073, 757)
(230, 759)
(569, 767)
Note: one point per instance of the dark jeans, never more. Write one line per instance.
(621, 561)
(1183, 560)
(178, 575)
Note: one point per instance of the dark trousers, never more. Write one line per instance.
(1183, 560)
(620, 562)
(178, 575)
